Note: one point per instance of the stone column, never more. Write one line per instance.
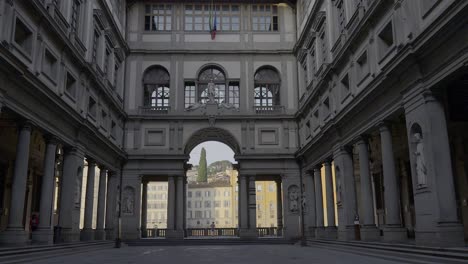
(101, 207)
(369, 231)
(437, 222)
(88, 233)
(180, 204)
(144, 208)
(111, 206)
(15, 233)
(243, 203)
(252, 204)
(393, 230)
(45, 233)
(330, 229)
(319, 231)
(279, 207)
(244, 193)
(70, 194)
(171, 203)
(185, 205)
(346, 194)
(310, 217)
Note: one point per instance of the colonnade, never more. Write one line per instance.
(176, 206)
(356, 213)
(69, 201)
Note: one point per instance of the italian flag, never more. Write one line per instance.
(212, 22)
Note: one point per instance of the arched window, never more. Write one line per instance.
(226, 92)
(266, 91)
(215, 76)
(156, 84)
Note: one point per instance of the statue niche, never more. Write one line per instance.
(128, 200)
(419, 157)
(293, 197)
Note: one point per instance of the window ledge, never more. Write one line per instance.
(363, 79)
(387, 53)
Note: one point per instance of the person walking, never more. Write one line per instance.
(212, 228)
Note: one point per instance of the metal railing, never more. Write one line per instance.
(207, 232)
(269, 110)
(267, 231)
(152, 110)
(155, 232)
(199, 232)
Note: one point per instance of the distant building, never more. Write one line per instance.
(215, 201)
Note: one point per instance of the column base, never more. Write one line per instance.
(394, 234)
(43, 236)
(87, 234)
(14, 237)
(348, 233)
(110, 234)
(248, 234)
(310, 232)
(320, 232)
(445, 235)
(370, 233)
(175, 234)
(68, 235)
(100, 234)
(331, 233)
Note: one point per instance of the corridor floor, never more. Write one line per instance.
(258, 254)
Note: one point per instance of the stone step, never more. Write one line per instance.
(415, 254)
(21, 253)
(204, 241)
(30, 258)
(390, 256)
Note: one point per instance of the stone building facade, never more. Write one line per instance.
(370, 91)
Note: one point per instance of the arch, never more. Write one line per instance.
(156, 85)
(268, 68)
(215, 75)
(267, 83)
(212, 134)
(210, 65)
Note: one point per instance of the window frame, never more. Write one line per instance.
(165, 14)
(271, 14)
(157, 93)
(204, 14)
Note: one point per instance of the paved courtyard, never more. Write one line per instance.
(258, 254)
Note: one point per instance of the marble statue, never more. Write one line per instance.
(128, 201)
(293, 196)
(421, 170)
(211, 93)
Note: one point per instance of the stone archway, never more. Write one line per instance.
(212, 134)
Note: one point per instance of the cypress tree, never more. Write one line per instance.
(202, 168)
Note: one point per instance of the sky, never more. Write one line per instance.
(215, 151)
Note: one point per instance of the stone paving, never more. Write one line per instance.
(258, 254)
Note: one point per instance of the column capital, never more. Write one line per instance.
(384, 125)
(317, 167)
(91, 162)
(362, 139)
(51, 139)
(327, 162)
(278, 181)
(240, 176)
(170, 177)
(25, 125)
(251, 177)
(342, 150)
(102, 167)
